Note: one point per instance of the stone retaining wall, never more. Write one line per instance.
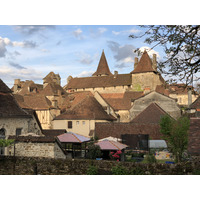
(47, 166)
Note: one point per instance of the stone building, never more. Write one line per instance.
(168, 104)
(81, 114)
(45, 99)
(144, 75)
(13, 119)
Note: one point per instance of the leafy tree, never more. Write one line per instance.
(94, 151)
(5, 143)
(176, 134)
(181, 44)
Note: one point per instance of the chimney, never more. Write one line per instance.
(189, 96)
(115, 74)
(147, 90)
(16, 84)
(154, 62)
(69, 78)
(135, 62)
(55, 103)
(58, 79)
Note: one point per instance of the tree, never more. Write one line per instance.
(181, 45)
(94, 151)
(5, 143)
(176, 134)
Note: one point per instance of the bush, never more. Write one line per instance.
(149, 158)
(94, 151)
(92, 170)
(119, 170)
(136, 171)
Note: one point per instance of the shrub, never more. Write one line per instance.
(149, 158)
(92, 170)
(119, 170)
(94, 151)
(136, 171)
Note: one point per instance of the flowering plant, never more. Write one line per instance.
(115, 155)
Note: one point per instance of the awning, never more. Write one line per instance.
(156, 144)
(72, 138)
(111, 145)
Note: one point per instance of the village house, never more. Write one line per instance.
(82, 114)
(23, 126)
(45, 99)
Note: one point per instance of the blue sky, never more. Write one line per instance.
(31, 52)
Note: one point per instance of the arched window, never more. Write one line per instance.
(2, 133)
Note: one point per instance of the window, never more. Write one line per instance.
(83, 122)
(69, 124)
(77, 122)
(18, 131)
(2, 133)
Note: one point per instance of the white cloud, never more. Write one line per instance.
(149, 51)
(85, 74)
(7, 42)
(102, 30)
(10, 73)
(126, 32)
(78, 33)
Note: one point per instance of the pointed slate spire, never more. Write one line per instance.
(102, 69)
(144, 65)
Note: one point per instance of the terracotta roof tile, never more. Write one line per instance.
(53, 89)
(4, 88)
(99, 81)
(35, 102)
(8, 105)
(88, 108)
(102, 68)
(121, 101)
(162, 90)
(116, 129)
(152, 114)
(72, 99)
(196, 104)
(144, 65)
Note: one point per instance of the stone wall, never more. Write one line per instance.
(169, 105)
(182, 99)
(44, 166)
(28, 125)
(30, 149)
(140, 81)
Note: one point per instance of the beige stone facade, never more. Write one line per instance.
(83, 127)
(27, 125)
(168, 104)
(150, 80)
(182, 99)
(29, 149)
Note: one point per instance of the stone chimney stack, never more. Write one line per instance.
(69, 78)
(16, 84)
(189, 96)
(154, 62)
(115, 74)
(135, 62)
(55, 103)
